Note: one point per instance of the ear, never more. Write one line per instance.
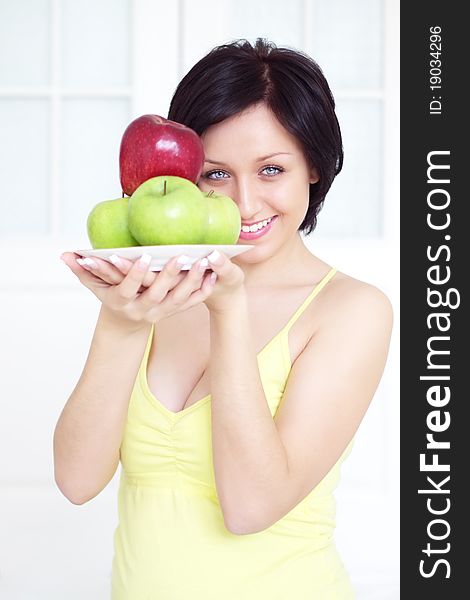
(314, 176)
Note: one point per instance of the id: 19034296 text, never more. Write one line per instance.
(435, 70)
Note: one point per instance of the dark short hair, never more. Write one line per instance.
(234, 76)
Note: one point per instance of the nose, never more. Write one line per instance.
(247, 199)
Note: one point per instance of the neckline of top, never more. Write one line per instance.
(175, 415)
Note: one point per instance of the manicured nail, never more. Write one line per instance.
(203, 264)
(144, 262)
(87, 263)
(214, 256)
(114, 258)
(183, 260)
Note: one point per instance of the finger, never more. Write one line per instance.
(80, 265)
(68, 256)
(224, 267)
(174, 283)
(102, 269)
(96, 285)
(206, 289)
(167, 279)
(196, 297)
(192, 282)
(70, 259)
(79, 269)
(130, 285)
(124, 265)
(219, 263)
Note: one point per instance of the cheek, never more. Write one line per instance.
(290, 197)
(202, 186)
(206, 185)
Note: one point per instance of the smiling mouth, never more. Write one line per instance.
(256, 226)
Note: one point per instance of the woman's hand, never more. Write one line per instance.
(230, 281)
(125, 294)
(103, 273)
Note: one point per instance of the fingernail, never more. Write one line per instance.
(114, 258)
(144, 262)
(62, 256)
(213, 277)
(204, 263)
(183, 259)
(214, 256)
(87, 263)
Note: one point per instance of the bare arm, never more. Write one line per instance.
(88, 433)
(265, 466)
(250, 461)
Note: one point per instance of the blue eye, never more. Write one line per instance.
(276, 169)
(207, 175)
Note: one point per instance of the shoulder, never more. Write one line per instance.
(346, 297)
(352, 330)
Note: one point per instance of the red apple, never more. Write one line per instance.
(153, 146)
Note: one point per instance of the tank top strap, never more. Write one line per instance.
(148, 346)
(316, 290)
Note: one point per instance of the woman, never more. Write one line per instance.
(231, 401)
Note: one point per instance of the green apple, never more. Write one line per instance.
(168, 210)
(107, 225)
(224, 220)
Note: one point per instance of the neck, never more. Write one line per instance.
(281, 267)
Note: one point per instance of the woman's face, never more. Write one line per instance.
(261, 166)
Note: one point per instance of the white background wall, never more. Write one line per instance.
(65, 98)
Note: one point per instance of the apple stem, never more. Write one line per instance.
(210, 193)
(164, 188)
(123, 194)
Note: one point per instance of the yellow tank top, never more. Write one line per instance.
(171, 542)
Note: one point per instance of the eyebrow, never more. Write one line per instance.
(215, 162)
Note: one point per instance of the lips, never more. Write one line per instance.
(252, 235)
(262, 222)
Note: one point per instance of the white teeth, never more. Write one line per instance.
(256, 226)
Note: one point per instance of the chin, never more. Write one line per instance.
(255, 255)
(247, 258)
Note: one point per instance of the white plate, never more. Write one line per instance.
(162, 254)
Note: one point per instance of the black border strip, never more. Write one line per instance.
(433, 273)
